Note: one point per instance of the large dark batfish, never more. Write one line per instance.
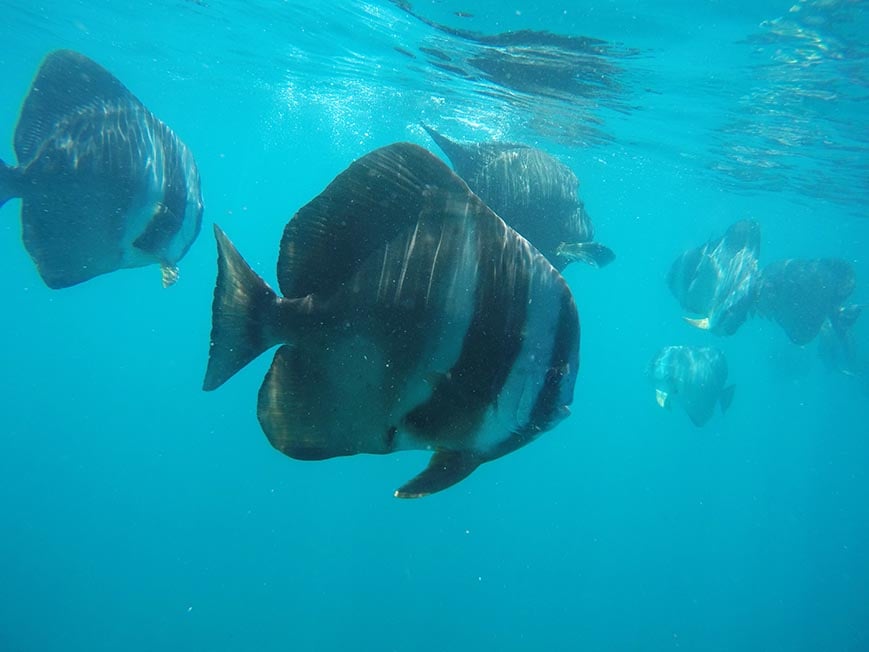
(414, 318)
(718, 279)
(104, 184)
(799, 295)
(693, 378)
(535, 193)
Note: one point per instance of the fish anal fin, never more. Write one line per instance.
(284, 406)
(445, 469)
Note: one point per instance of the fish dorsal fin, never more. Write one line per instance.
(471, 160)
(377, 197)
(744, 234)
(461, 155)
(66, 83)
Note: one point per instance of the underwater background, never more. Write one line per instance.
(140, 513)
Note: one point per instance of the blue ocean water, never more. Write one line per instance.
(140, 513)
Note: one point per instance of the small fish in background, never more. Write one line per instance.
(718, 279)
(534, 193)
(800, 295)
(692, 377)
(104, 185)
(412, 318)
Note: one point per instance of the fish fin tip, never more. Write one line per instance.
(702, 324)
(445, 469)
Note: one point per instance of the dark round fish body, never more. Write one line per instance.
(718, 279)
(799, 295)
(692, 377)
(415, 319)
(534, 192)
(104, 184)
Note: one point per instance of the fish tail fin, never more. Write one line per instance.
(243, 315)
(591, 253)
(10, 182)
(726, 398)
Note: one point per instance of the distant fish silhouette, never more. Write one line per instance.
(535, 193)
(844, 348)
(692, 377)
(104, 184)
(799, 295)
(717, 280)
(413, 319)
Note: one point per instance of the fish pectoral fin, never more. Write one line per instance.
(702, 324)
(661, 397)
(445, 469)
(591, 253)
(169, 274)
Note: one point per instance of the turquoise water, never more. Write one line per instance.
(140, 513)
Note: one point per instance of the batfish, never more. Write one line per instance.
(692, 377)
(103, 183)
(718, 279)
(533, 192)
(799, 295)
(412, 317)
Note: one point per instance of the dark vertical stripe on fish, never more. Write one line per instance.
(169, 216)
(492, 342)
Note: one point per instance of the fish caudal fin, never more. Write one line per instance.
(10, 182)
(726, 398)
(591, 253)
(445, 469)
(242, 315)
